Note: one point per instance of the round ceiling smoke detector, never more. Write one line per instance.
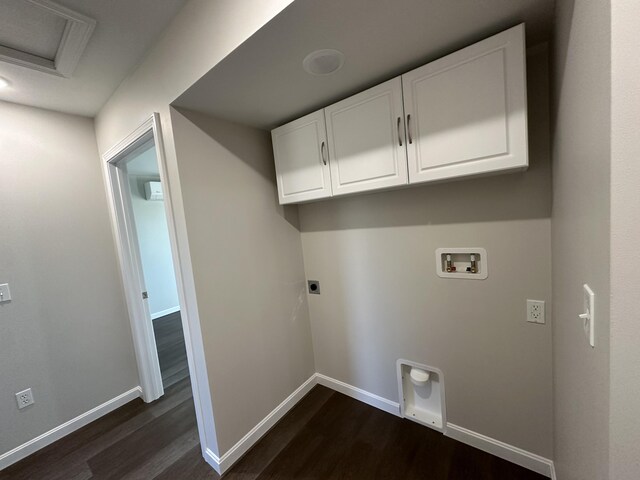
(323, 62)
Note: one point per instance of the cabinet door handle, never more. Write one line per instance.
(324, 160)
(399, 136)
(409, 129)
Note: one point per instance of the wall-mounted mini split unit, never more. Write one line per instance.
(421, 392)
(153, 191)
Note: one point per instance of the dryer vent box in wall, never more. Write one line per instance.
(153, 191)
(421, 391)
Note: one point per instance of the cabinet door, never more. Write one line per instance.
(467, 112)
(366, 140)
(302, 166)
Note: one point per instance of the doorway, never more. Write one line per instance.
(146, 198)
(136, 177)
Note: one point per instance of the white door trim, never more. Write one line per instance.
(130, 263)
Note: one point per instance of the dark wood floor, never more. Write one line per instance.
(171, 349)
(325, 436)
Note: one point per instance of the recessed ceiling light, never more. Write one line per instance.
(323, 62)
(4, 83)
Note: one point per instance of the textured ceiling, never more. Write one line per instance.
(262, 82)
(30, 28)
(125, 30)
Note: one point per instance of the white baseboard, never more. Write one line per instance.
(213, 460)
(516, 455)
(222, 464)
(359, 394)
(32, 446)
(162, 313)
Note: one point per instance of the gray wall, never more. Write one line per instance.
(625, 234)
(248, 271)
(66, 333)
(381, 299)
(580, 235)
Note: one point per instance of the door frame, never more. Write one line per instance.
(119, 193)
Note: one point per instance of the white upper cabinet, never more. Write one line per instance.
(466, 113)
(462, 115)
(301, 156)
(366, 139)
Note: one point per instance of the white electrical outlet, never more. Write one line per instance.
(24, 398)
(535, 311)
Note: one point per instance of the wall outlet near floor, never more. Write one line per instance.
(535, 311)
(24, 398)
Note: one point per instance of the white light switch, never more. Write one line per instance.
(589, 316)
(5, 294)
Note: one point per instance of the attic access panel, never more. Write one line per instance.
(43, 36)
